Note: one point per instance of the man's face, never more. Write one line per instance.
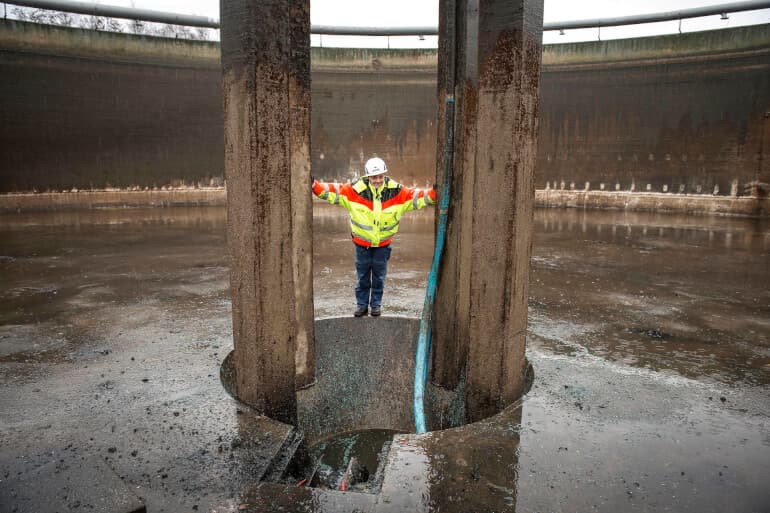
(377, 180)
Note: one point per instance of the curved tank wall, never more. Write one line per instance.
(669, 114)
(682, 113)
(89, 109)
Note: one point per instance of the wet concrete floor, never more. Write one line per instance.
(649, 336)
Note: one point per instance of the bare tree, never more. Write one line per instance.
(175, 31)
(113, 25)
(103, 23)
(136, 26)
(201, 34)
(64, 19)
(43, 16)
(91, 22)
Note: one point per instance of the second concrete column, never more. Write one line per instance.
(481, 304)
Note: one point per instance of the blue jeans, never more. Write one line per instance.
(371, 268)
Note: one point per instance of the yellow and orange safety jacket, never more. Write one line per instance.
(374, 213)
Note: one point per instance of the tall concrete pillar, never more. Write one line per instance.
(266, 90)
(489, 60)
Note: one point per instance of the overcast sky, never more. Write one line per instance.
(425, 13)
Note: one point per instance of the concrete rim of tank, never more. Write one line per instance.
(365, 379)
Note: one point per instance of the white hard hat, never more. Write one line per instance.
(375, 166)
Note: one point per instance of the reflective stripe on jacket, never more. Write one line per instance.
(374, 213)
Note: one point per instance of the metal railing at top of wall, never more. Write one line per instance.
(204, 22)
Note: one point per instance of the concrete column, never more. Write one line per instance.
(481, 305)
(266, 91)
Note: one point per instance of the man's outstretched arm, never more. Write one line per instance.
(415, 199)
(334, 193)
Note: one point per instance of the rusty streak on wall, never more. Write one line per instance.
(89, 109)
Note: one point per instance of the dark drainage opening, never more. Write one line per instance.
(353, 461)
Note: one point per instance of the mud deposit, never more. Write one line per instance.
(649, 335)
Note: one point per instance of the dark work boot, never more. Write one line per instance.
(361, 311)
(376, 311)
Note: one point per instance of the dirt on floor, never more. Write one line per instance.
(649, 335)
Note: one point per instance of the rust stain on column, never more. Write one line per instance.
(481, 307)
(302, 206)
(443, 308)
(451, 329)
(262, 174)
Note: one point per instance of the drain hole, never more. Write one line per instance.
(353, 461)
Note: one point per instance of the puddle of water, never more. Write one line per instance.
(333, 458)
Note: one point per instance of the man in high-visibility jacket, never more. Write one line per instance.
(375, 203)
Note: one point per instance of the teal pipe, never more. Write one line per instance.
(426, 319)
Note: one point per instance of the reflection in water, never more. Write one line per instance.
(721, 232)
(361, 454)
(407, 484)
(475, 468)
(205, 217)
